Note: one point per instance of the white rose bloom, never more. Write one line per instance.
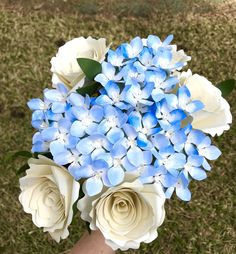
(64, 65)
(215, 117)
(127, 214)
(48, 192)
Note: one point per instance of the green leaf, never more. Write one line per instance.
(88, 228)
(90, 67)
(46, 154)
(226, 87)
(14, 155)
(22, 169)
(90, 89)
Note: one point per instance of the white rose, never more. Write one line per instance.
(48, 193)
(64, 65)
(127, 214)
(215, 117)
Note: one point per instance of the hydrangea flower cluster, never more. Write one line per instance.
(139, 123)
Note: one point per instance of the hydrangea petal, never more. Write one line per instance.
(93, 186)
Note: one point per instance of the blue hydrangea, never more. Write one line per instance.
(140, 123)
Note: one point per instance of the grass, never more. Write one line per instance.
(28, 39)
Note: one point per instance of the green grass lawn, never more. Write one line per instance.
(29, 37)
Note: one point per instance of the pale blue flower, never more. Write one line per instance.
(133, 49)
(87, 120)
(185, 102)
(135, 94)
(108, 74)
(113, 95)
(57, 98)
(181, 188)
(115, 57)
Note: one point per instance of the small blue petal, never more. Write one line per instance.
(57, 147)
(211, 152)
(194, 106)
(77, 129)
(175, 161)
(135, 156)
(63, 158)
(102, 79)
(183, 95)
(103, 100)
(160, 141)
(93, 186)
(178, 137)
(49, 134)
(183, 193)
(58, 107)
(137, 46)
(118, 151)
(39, 147)
(35, 104)
(153, 42)
(97, 113)
(79, 172)
(147, 157)
(169, 192)
(130, 131)
(76, 99)
(135, 119)
(206, 165)
(109, 70)
(197, 173)
(99, 165)
(114, 135)
(115, 175)
(195, 160)
(196, 137)
(127, 165)
(115, 57)
(53, 95)
(113, 90)
(38, 115)
(168, 40)
(85, 146)
(80, 112)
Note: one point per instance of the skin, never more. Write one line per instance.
(92, 244)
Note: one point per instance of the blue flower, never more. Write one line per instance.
(193, 168)
(133, 49)
(57, 98)
(115, 57)
(173, 161)
(95, 172)
(113, 96)
(108, 74)
(140, 123)
(87, 120)
(185, 102)
(181, 188)
(135, 94)
(155, 43)
(94, 144)
(113, 117)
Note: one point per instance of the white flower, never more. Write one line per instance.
(179, 56)
(215, 117)
(48, 192)
(127, 214)
(64, 65)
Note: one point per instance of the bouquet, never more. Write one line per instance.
(120, 131)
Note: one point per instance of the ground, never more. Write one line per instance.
(30, 33)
